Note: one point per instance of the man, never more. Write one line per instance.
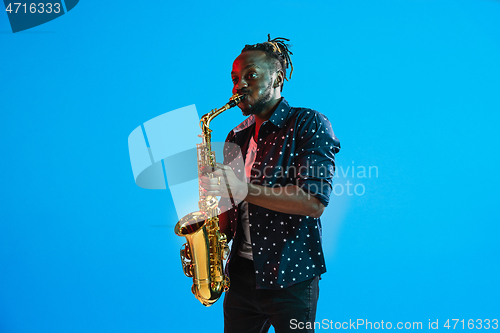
(276, 257)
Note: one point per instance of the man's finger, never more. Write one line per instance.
(223, 166)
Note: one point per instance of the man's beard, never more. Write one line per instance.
(258, 107)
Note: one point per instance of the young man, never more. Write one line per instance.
(276, 258)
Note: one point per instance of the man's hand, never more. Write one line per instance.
(289, 199)
(223, 182)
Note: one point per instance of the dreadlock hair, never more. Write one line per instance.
(277, 50)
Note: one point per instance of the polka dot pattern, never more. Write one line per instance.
(295, 146)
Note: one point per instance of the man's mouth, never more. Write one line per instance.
(243, 92)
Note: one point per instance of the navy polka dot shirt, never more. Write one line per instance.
(295, 146)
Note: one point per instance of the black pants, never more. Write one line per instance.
(250, 310)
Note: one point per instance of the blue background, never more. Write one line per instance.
(411, 87)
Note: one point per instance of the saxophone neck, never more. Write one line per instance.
(205, 128)
(207, 118)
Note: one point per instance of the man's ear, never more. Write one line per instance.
(279, 79)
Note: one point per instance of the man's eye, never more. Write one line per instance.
(252, 75)
(235, 80)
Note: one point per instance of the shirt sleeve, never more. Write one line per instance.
(315, 155)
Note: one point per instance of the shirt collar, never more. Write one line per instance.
(278, 117)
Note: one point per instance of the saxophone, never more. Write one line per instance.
(206, 248)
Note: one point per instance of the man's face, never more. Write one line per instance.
(253, 76)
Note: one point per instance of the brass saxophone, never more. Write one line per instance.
(206, 248)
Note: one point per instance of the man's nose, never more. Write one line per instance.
(241, 84)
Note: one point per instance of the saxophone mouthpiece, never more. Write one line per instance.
(236, 99)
